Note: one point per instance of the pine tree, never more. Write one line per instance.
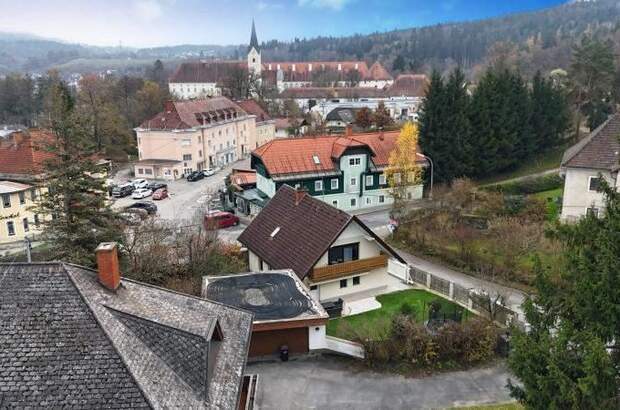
(570, 358)
(77, 217)
(549, 116)
(457, 129)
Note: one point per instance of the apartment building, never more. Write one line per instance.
(17, 219)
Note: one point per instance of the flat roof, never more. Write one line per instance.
(9, 187)
(272, 296)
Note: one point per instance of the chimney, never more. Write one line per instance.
(349, 131)
(108, 271)
(381, 137)
(299, 195)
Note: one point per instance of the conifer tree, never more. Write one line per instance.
(549, 116)
(457, 131)
(431, 123)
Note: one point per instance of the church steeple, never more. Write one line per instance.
(253, 39)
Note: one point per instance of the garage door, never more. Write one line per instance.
(268, 342)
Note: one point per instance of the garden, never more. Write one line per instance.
(496, 232)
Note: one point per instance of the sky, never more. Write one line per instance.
(147, 23)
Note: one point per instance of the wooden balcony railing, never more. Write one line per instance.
(348, 268)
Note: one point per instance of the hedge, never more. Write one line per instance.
(528, 186)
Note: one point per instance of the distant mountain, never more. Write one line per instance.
(540, 39)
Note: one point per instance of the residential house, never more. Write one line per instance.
(193, 135)
(334, 253)
(285, 314)
(265, 125)
(338, 119)
(17, 219)
(285, 127)
(22, 155)
(74, 337)
(584, 164)
(347, 171)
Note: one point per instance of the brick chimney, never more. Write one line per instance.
(349, 131)
(108, 270)
(299, 195)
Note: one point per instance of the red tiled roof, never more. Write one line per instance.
(379, 73)
(335, 92)
(23, 152)
(194, 113)
(253, 108)
(296, 155)
(303, 71)
(410, 85)
(599, 150)
(204, 71)
(243, 177)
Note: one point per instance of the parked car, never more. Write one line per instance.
(154, 186)
(140, 183)
(121, 191)
(161, 193)
(149, 207)
(141, 193)
(208, 172)
(219, 219)
(195, 176)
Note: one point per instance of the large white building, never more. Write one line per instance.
(584, 164)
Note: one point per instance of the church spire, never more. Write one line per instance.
(253, 38)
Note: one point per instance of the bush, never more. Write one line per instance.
(528, 186)
(407, 309)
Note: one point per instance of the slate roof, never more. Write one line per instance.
(599, 150)
(67, 341)
(290, 156)
(344, 114)
(307, 228)
(23, 152)
(194, 113)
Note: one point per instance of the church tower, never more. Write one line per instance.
(254, 61)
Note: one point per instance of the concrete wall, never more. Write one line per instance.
(316, 337)
(577, 197)
(266, 185)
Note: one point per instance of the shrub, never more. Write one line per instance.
(407, 309)
(528, 186)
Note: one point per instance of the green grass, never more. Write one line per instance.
(391, 304)
(544, 162)
(503, 406)
(551, 199)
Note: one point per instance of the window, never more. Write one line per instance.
(592, 211)
(370, 180)
(381, 199)
(140, 171)
(314, 287)
(186, 142)
(199, 138)
(36, 220)
(318, 185)
(33, 195)
(354, 161)
(353, 202)
(356, 280)
(343, 253)
(594, 184)
(382, 179)
(22, 197)
(148, 171)
(200, 153)
(316, 159)
(353, 181)
(10, 227)
(6, 200)
(334, 183)
(343, 283)
(368, 200)
(335, 203)
(187, 157)
(26, 227)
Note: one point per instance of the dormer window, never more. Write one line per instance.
(354, 161)
(316, 159)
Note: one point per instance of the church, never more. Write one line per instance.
(205, 78)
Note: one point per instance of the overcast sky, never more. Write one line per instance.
(168, 22)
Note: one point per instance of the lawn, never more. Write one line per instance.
(544, 162)
(551, 199)
(418, 300)
(504, 406)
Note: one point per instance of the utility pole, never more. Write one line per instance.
(28, 249)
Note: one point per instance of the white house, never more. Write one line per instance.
(583, 165)
(334, 253)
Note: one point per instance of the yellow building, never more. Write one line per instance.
(17, 220)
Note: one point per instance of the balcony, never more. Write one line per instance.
(348, 268)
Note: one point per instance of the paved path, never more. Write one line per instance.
(329, 383)
(537, 174)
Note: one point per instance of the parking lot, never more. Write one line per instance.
(186, 198)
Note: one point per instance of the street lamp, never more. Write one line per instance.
(430, 194)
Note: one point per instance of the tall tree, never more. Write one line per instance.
(363, 118)
(592, 74)
(77, 216)
(403, 170)
(431, 120)
(550, 114)
(570, 358)
(381, 117)
(457, 130)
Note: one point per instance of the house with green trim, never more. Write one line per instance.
(347, 172)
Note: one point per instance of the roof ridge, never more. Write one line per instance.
(574, 150)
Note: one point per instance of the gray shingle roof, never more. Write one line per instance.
(599, 150)
(137, 347)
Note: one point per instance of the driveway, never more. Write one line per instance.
(331, 383)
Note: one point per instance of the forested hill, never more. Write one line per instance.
(543, 38)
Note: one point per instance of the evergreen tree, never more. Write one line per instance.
(550, 115)
(457, 131)
(399, 63)
(570, 358)
(77, 217)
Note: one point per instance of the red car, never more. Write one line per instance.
(219, 220)
(161, 193)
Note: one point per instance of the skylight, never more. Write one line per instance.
(316, 159)
(275, 232)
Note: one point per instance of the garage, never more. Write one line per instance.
(268, 342)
